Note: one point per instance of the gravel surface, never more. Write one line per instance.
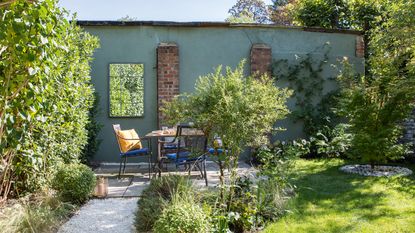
(366, 170)
(114, 215)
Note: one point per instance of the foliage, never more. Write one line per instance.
(376, 105)
(281, 11)
(39, 213)
(244, 17)
(45, 92)
(74, 182)
(93, 128)
(276, 160)
(183, 215)
(331, 142)
(240, 110)
(328, 200)
(313, 105)
(126, 90)
(322, 13)
(355, 14)
(156, 197)
(253, 9)
(256, 202)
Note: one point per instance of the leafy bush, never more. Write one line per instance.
(45, 92)
(93, 128)
(74, 182)
(240, 110)
(156, 197)
(183, 215)
(276, 160)
(331, 142)
(376, 105)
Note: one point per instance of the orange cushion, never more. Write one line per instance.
(133, 141)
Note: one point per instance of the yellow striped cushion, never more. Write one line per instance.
(131, 144)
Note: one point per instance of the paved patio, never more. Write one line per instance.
(135, 179)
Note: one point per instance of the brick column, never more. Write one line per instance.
(360, 47)
(261, 59)
(167, 75)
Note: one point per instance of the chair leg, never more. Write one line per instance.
(149, 167)
(204, 171)
(119, 172)
(125, 162)
(159, 167)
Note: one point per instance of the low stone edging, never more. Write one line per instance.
(378, 171)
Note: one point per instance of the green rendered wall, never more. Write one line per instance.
(201, 49)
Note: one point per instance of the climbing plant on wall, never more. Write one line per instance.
(304, 76)
(314, 107)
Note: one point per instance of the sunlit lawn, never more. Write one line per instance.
(328, 200)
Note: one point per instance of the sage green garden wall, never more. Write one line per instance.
(201, 49)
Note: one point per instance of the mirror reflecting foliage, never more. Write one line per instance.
(126, 90)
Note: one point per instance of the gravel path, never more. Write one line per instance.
(102, 216)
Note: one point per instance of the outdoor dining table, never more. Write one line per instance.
(171, 132)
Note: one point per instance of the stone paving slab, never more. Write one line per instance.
(135, 179)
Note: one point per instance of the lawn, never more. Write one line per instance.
(328, 200)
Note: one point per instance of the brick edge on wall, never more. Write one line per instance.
(360, 47)
(261, 59)
(167, 75)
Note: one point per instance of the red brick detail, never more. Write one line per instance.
(167, 75)
(261, 59)
(360, 47)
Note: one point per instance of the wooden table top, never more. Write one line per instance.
(172, 133)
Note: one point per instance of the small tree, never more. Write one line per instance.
(376, 106)
(241, 110)
(256, 10)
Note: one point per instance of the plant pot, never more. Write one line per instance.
(101, 188)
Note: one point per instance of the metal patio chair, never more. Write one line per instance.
(144, 151)
(190, 151)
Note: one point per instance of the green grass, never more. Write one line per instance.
(328, 200)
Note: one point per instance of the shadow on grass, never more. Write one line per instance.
(323, 190)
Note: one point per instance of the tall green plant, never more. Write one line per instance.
(45, 92)
(241, 110)
(377, 105)
(93, 128)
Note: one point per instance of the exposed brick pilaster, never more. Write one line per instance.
(167, 75)
(261, 59)
(360, 47)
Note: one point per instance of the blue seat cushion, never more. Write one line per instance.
(170, 146)
(182, 155)
(219, 151)
(138, 152)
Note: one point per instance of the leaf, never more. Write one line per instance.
(2, 49)
(33, 71)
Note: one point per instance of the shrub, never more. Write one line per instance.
(155, 197)
(74, 183)
(93, 128)
(241, 110)
(182, 215)
(376, 105)
(45, 92)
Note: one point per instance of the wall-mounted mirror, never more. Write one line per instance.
(126, 90)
